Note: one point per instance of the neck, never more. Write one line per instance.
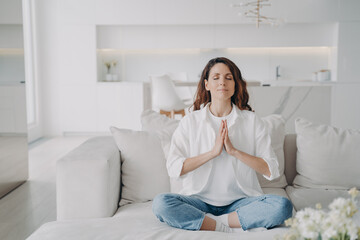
(220, 109)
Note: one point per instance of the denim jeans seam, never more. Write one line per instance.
(241, 221)
(199, 226)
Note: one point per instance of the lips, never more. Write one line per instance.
(222, 90)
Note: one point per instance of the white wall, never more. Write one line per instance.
(48, 69)
(67, 39)
(215, 36)
(349, 52)
(11, 36)
(10, 12)
(346, 97)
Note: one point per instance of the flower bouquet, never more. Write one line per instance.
(316, 224)
(108, 74)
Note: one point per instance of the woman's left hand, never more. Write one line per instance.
(227, 143)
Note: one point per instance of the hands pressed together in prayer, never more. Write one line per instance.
(223, 140)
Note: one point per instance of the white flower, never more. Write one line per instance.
(346, 207)
(316, 224)
(330, 226)
(309, 222)
(113, 63)
(318, 206)
(353, 192)
(352, 230)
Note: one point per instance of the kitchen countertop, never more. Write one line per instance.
(297, 83)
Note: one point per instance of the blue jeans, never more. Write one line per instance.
(188, 212)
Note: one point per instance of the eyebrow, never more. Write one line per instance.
(219, 73)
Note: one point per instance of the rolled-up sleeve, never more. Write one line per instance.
(179, 150)
(264, 149)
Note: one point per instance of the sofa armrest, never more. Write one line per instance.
(88, 180)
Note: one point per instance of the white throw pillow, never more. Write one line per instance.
(143, 165)
(161, 125)
(327, 157)
(276, 127)
(164, 127)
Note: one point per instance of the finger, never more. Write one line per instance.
(222, 134)
(221, 127)
(227, 136)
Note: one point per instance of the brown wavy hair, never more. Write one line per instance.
(240, 97)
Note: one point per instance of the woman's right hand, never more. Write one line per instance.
(219, 142)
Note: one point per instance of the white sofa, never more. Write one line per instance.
(91, 181)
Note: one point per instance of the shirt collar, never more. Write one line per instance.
(205, 114)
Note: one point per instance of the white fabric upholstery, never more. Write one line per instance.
(94, 193)
(164, 127)
(327, 157)
(307, 197)
(136, 221)
(161, 125)
(88, 180)
(276, 127)
(143, 165)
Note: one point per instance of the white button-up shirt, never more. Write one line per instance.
(195, 136)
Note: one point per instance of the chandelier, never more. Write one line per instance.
(251, 10)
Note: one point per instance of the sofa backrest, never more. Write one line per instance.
(290, 150)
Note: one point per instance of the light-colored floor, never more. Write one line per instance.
(13, 162)
(26, 208)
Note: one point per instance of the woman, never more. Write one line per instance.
(216, 151)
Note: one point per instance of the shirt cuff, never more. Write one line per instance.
(274, 171)
(176, 169)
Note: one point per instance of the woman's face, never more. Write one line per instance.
(221, 83)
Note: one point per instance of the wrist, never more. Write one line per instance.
(213, 154)
(233, 151)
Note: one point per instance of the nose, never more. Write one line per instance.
(222, 80)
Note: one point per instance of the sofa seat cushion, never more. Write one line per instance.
(276, 191)
(309, 197)
(135, 221)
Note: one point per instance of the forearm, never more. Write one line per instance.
(193, 163)
(256, 163)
